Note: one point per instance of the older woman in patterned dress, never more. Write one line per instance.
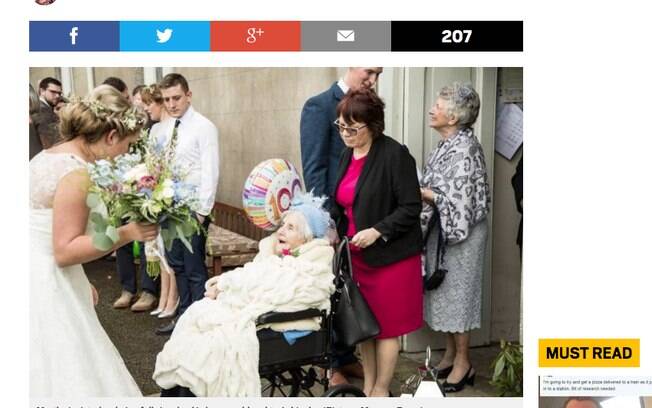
(455, 194)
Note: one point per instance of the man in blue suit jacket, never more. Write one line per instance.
(321, 146)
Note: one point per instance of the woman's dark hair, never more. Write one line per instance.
(363, 106)
(115, 82)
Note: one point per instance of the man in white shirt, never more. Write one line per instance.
(196, 153)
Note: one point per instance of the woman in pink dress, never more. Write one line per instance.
(378, 203)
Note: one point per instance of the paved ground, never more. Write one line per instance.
(133, 335)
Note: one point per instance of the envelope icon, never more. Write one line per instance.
(345, 36)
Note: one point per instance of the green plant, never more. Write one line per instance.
(508, 370)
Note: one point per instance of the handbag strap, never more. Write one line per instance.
(342, 251)
(441, 239)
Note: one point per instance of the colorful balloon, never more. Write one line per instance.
(268, 192)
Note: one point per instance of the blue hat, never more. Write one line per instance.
(311, 207)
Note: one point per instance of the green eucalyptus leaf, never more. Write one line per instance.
(93, 200)
(97, 218)
(102, 242)
(112, 233)
(98, 222)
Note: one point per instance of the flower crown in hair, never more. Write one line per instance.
(129, 118)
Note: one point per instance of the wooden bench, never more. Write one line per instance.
(232, 239)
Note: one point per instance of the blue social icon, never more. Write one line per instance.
(74, 36)
(165, 36)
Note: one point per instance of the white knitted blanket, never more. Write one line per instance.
(214, 350)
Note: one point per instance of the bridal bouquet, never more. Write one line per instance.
(142, 188)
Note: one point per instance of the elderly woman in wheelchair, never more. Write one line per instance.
(214, 350)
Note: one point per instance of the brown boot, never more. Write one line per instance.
(145, 302)
(123, 301)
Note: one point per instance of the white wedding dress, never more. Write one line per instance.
(70, 353)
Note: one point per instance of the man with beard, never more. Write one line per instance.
(45, 120)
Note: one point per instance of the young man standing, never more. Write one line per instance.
(197, 152)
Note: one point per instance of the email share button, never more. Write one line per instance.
(346, 36)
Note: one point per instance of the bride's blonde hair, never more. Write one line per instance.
(103, 110)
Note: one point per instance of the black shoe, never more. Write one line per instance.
(166, 329)
(444, 372)
(459, 386)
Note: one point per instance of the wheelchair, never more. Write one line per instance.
(290, 370)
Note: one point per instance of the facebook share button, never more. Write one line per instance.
(74, 36)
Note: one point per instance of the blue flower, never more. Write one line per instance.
(146, 191)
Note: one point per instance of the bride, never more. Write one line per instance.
(70, 353)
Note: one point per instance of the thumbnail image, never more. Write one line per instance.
(244, 232)
(595, 402)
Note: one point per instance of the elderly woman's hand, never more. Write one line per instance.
(365, 237)
(211, 288)
(427, 195)
(211, 292)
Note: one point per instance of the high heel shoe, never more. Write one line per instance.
(459, 386)
(444, 372)
(156, 311)
(165, 314)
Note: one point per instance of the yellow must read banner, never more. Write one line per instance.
(589, 352)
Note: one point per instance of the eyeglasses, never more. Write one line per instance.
(353, 131)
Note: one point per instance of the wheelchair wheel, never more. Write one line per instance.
(281, 384)
(344, 390)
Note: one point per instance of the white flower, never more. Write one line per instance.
(168, 192)
(136, 173)
(168, 183)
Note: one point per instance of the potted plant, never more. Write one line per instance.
(507, 367)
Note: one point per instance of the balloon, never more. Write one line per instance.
(268, 192)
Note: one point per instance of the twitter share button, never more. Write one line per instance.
(165, 36)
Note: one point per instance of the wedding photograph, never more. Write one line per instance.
(280, 231)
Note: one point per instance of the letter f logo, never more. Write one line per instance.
(73, 35)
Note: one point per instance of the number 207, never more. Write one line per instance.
(456, 36)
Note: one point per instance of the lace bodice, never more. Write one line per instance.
(45, 171)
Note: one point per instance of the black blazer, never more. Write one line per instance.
(387, 198)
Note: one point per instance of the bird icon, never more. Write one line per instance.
(163, 36)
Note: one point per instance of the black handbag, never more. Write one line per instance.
(353, 320)
(437, 278)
